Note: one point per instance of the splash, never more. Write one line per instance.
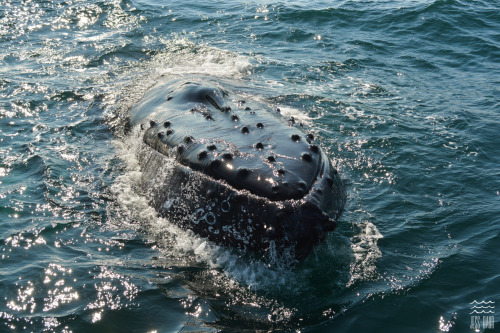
(182, 57)
(366, 252)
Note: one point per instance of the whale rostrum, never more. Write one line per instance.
(244, 176)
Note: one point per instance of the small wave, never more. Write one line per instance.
(182, 56)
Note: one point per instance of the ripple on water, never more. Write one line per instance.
(402, 94)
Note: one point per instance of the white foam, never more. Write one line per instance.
(299, 115)
(182, 56)
(365, 251)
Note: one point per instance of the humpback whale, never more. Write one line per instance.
(242, 174)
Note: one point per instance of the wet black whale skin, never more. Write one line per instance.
(245, 176)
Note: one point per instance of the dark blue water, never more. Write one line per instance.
(403, 95)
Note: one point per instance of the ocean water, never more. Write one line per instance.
(403, 95)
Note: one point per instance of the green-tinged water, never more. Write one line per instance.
(403, 95)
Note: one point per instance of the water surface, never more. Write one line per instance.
(404, 97)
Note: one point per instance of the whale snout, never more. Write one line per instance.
(244, 149)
